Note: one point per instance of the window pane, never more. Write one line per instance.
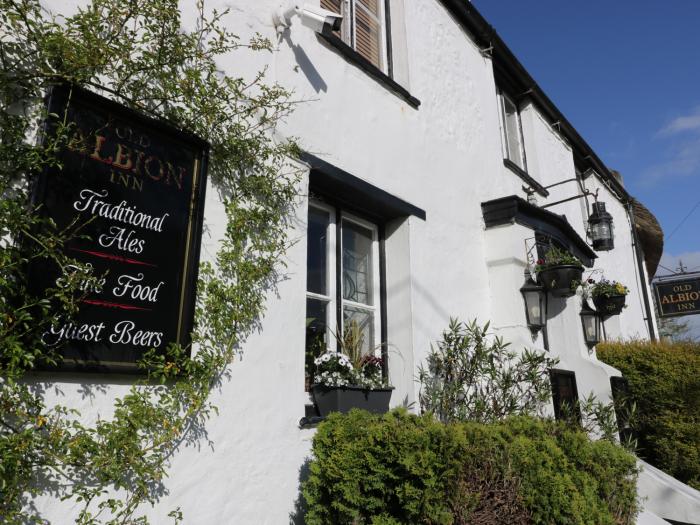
(371, 5)
(316, 336)
(368, 31)
(317, 252)
(564, 396)
(358, 329)
(512, 132)
(357, 263)
(565, 389)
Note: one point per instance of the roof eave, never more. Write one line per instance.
(505, 61)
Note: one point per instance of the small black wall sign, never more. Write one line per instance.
(678, 297)
(137, 185)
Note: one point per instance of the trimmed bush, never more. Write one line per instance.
(404, 469)
(664, 382)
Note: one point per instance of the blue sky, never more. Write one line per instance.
(626, 74)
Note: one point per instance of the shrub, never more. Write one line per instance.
(472, 377)
(664, 382)
(399, 468)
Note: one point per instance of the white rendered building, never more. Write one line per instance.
(430, 152)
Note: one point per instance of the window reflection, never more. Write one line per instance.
(357, 263)
(317, 252)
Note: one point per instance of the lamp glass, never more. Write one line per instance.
(589, 323)
(601, 231)
(535, 309)
(591, 327)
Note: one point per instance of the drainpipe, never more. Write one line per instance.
(640, 265)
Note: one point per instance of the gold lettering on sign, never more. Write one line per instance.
(123, 159)
(126, 180)
(680, 298)
(133, 162)
(682, 288)
(99, 142)
(78, 143)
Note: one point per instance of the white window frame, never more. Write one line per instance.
(505, 143)
(335, 295)
(330, 299)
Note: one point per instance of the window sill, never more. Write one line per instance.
(373, 71)
(512, 166)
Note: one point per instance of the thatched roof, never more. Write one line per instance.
(651, 236)
(649, 232)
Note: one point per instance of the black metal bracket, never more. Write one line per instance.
(310, 422)
(585, 193)
(487, 51)
(561, 182)
(581, 196)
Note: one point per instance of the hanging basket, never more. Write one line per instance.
(561, 281)
(609, 305)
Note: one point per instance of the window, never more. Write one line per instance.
(511, 131)
(565, 395)
(623, 402)
(546, 242)
(364, 28)
(342, 284)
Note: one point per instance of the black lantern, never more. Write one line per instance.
(600, 224)
(535, 303)
(591, 325)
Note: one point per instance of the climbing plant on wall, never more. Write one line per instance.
(138, 53)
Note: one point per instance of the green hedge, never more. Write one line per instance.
(664, 382)
(405, 469)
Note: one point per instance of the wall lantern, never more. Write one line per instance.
(535, 303)
(591, 325)
(600, 224)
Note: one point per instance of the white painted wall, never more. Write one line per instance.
(444, 157)
(666, 496)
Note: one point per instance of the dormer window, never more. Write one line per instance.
(511, 131)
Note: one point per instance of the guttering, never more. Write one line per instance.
(509, 68)
(641, 271)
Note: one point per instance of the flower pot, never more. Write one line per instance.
(558, 280)
(343, 398)
(609, 305)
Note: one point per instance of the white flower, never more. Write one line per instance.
(324, 358)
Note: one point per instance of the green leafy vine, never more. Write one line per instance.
(136, 52)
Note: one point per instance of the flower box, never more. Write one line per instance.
(609, 305)
(561, 280)
(344, 398)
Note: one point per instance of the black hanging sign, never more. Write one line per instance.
(137, 185)
(678, 297)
